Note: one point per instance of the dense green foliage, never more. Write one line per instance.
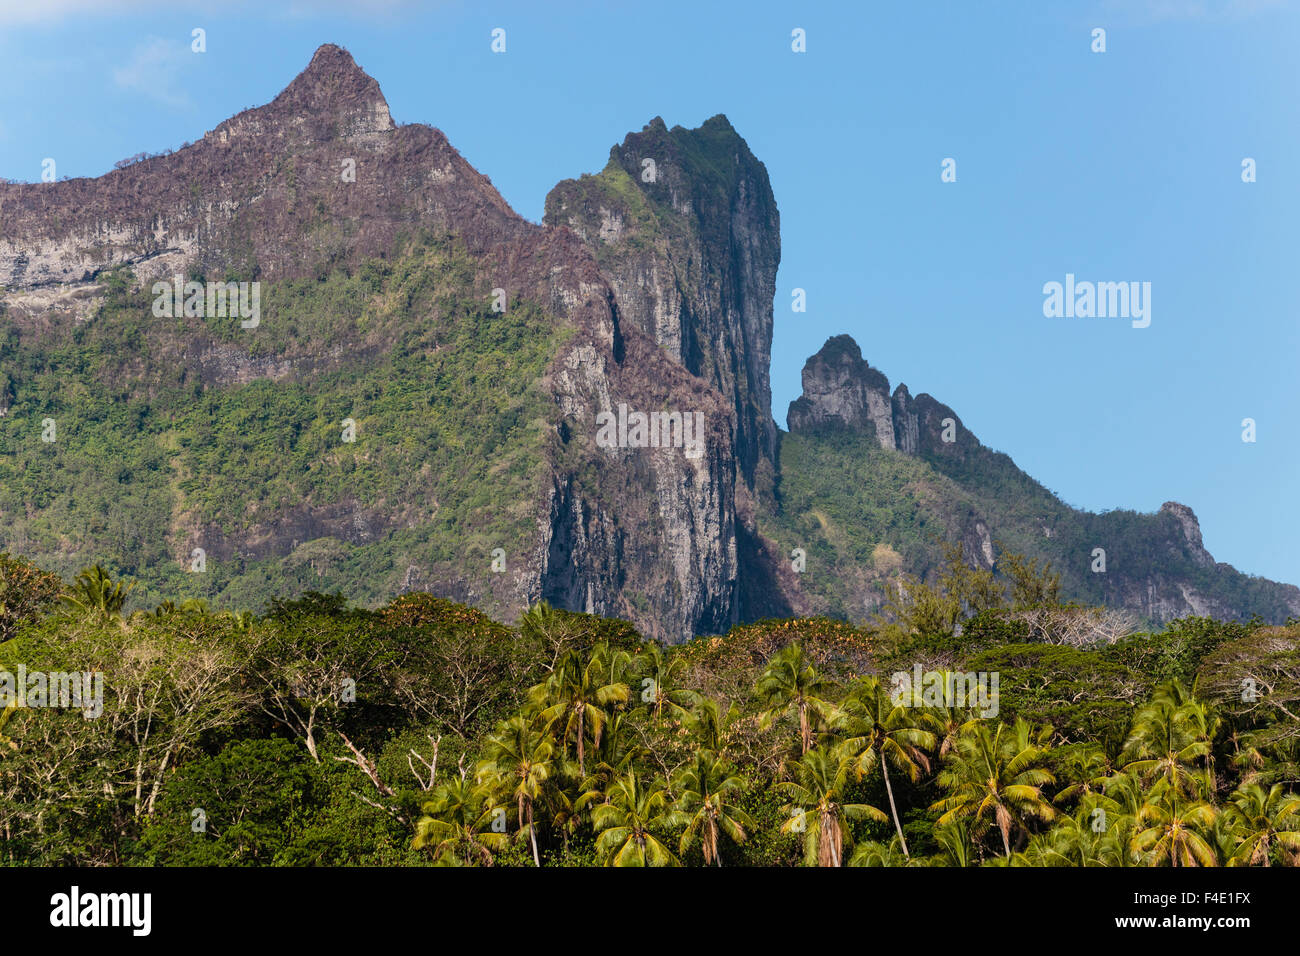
(862, 512)
(181, 433)
(423, 732)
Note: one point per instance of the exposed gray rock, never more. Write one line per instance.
(840, 388)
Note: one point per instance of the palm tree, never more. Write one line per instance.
(995, 778)
(627, 823)
(710, 724)
(660, 676)
(1172, 830)
(875, 853)
(1263, 821)
(95, 594)
(821, 777)
(576, 695)
(520, 761)
(456, 820)
(1168, 738)
(791, 683)
(955, 847)
(704, 789)
(1087, 768)
(883, 732)
(1073, 841)
(1116, 810)
(944, 721)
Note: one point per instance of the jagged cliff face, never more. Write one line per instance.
(685, 228)
(322, 178)
(1156, 565)
(840, 388)
(642, 294)
(319, 176)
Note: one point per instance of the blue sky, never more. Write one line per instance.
(1115, 166)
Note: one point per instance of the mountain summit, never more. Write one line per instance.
(439, 395)
(928, 469)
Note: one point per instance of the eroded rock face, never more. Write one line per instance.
(1157, 564)
(686, 231)
(1191, 529)
(642, 533)
(840, 388)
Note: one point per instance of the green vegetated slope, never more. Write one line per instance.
(862, 513)
(182, 433)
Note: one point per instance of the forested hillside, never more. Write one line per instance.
(423, 732)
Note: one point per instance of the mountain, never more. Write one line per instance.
(424, 391)
(475, 428)
(869, 477)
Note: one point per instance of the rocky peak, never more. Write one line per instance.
(685, 227)
(1191, 529)
(320, 175)
(331, 98)
(841, 388)
(907, 432)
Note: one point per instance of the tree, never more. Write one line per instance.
(1174, 830)
(457, 822)
(704, 791)
(575, 697)
(250, 798)
(450, 664)
(818, 811)
(883, 732)
(1169, 737)
(627, 823)
(917, 609)
(710, 724)
(26, 593)
(95, 594)
(791, 684)
(311, 656)
(995, 778)
(875, 853)
(660, 675)
(520, 761)
(1266, 823)
(1030, 586)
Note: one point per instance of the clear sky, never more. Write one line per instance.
(1116, 166)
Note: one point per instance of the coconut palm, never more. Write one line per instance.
(520, 760)
(660, 681)
(705, 789)
(710, 725)
(995, 778)
(95, 594)
(575, 698)
(1174, 829)
(882, 732)
(456, 821)
(1169, 739)
(630, 822)
(1263, 822)
(791, 684)
(821, 778)
(1115, 810)
(955, 846)
(1073, 841)
(1087, 768)
(875, 853)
